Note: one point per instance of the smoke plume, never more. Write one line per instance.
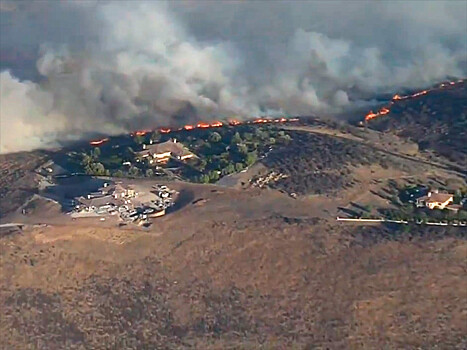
(76, 68)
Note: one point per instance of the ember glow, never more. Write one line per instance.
(99, 142)
(385, 110)
(141, 132)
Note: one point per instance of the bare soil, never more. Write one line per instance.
(233, 269)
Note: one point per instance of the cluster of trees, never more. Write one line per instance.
(226, 151)
(91, 165)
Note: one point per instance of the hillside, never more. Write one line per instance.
(436, 121)
(239, 276)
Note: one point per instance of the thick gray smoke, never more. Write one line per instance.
(72, 68)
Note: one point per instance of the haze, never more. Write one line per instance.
(73, 68)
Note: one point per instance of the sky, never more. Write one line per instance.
(70, 69)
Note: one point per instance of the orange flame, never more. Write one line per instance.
(98, 142)
(386, 110)
(234, 122)
(164, 130)
(141, 132)
(203, 125)
(216, 124)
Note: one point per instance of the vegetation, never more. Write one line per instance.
(437, 121)
(219, 152)
(316, 164)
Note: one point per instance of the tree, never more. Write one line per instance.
(118, 173)
(242, 148)
(96, 152)
(215, 137)
(236, 138)
(139, 139)
(86, 160)
(272, 140)
(149, 173)
(202, 164)
(204, 179)
(213, 175)
(229, 169)
(133, 171)
(285, 139)
(248, 136)
(239, 166)
(156, 136)
(96, 169)
(250, 158)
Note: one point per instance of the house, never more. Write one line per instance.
(119, 191)
(98, 202)
(435, 200)
(162, 152)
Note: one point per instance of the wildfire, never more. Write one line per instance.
(372, 115)
(141, 132)
(216, 124)
(386, 110)
(203, 125)
(99, 142)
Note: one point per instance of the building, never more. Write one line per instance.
(97, 203)
(120, 192)
(435, 200)
(162, 152)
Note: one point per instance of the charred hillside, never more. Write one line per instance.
(436, 121)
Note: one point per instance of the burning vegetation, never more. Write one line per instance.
(203, 125)
(386, 109)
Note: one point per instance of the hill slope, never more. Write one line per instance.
(436, 121)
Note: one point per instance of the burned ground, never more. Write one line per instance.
(436, 121)
(317, 164)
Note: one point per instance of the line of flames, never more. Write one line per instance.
(203, 125)
(386, 109)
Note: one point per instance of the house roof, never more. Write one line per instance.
(99, 201)
(439, 197)
(175, 148)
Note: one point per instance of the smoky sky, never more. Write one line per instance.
(71, 68)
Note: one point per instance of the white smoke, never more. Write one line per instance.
(113, 67)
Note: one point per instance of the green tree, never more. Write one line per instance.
(96, 152)
(204, 179)
(251, 157)
(239, 166)
(272, 140)
(285, 139)
(118, 173)
(97, 169)
(133, 171)
(236, 138)
(242, 148)
(215, 137)
(229, 169)
(213, 175)
(248, 136)
(149, 173)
